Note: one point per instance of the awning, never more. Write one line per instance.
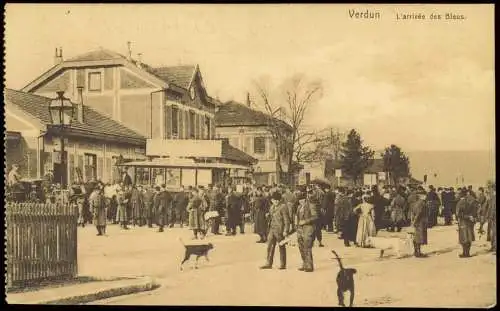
(180, 163)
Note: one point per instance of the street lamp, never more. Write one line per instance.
(61, 111)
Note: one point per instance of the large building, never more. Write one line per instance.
(248, 130)
(94, 142)
(168, 105)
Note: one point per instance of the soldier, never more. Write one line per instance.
(261, 208)
(136, 202)
(482, 205)
(306, 218)
(316, 198)
(291, 203)
(345, 217)
(398, 206)
(466, 215)
(164, 200)
(181, 201)
(98, 208)
(233, 211)
(148, 201)
(419, 216)
(329, 207)
(195, 209)
(216, 203)
(121, 215)
(279, 226)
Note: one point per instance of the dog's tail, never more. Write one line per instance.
(182, 242)
(338, 259)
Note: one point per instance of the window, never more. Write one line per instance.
(95, 81)
(207, 128)
(259, 145)
(272, 151)
(90, 166)
(192, 124)
(175, 121)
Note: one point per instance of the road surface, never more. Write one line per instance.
(232, 277)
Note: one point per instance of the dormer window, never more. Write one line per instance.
(95, 81)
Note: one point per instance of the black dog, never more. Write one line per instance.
(345, 282)
(198, 250)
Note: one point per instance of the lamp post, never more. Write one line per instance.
(61, 111)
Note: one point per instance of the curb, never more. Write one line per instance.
(147, 285)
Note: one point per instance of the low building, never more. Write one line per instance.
(93, 144)
(373, 175)
(311, 170)
(248, 130)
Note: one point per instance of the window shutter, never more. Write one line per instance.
(196, 127)
(212, 128)
(71, 164)
(80, 165)
(100, 163)
(200, 127)
(168, 122)
(180, 115)
(186, 124)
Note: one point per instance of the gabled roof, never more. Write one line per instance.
(235, 114)
(331, 165)
(94, 122)
(231, 153)
(178, 75)
(101, 54)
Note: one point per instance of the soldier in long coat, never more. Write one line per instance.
(433, 204)
(181, 200)
(162, 211)
(261, 208)
(419, 222)
(148, 205)
(482, 209)
(121, 215)
(77, 197)
(379, 203)
(306, 219)
(195, 209)
(216, 204)
(397, 207)
(279, 228)
(466, 215)
(98, 207)
(136, 203)
(157, 206)
(346, 217)
(329, 208)
(233, 212)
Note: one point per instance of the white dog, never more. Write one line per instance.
(402, 246)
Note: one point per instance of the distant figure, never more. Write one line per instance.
(181, 201)
(466, 216)
(306, 219)
(366, 223)
(98, 209)
(261, 208)
(126, 180)
(419, 222)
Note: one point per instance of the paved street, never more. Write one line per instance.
(232, 276)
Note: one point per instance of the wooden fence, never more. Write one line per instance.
(41, 242)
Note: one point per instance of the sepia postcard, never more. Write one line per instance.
(324, 155)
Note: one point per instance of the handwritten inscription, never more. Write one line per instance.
(368, 14)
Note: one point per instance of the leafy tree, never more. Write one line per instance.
(396, 163)
(354, 157)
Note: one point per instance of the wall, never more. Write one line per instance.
(136, 112)
(104, 151)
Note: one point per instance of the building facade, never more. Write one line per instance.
(167, 105)
(93, 143)
(373, 175)
(248, 130)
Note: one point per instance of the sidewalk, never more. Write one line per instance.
(83, 293)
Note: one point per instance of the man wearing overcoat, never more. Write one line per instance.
(306, 219)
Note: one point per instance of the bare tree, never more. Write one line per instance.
(327, 144)
(287, 112)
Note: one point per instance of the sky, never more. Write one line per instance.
(423, 85)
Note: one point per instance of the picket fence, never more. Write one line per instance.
(41, 242)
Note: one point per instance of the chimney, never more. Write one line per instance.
(79, 105)
(139, 60)
(58, 58)
(249, 104)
